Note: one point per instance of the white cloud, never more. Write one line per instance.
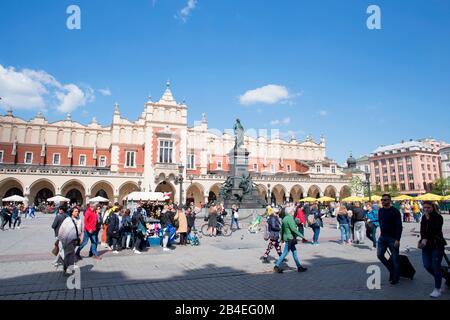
(105, 92)
(186, 11)
(36, 89)
(284, 121)
(269, 94)
(323, 113)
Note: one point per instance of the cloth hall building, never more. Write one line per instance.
(39, 159)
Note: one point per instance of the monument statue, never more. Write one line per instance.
(239, 134)
(246, 184)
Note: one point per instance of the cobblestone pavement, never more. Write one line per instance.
(220, 268)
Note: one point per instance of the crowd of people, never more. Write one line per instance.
(117, 228)
(11, 215)
(356, 222)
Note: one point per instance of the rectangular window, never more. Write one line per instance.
(385, 179)
(392, 169)
(165, 151)
(1, 156)
(428, 167)
(410, 168)
(102, 162)
(423, 166)
(429, 176)
(402, 187)
(410, 176)
(400, 168)
(402, 177)
(434, 167)
(28, 157)
(383, 162)
(191, 161)
(255, 167)
(272, 168)
(385, 170)
(391, 161)
(318, 168)
(288, 168)
(377, 180)
(130, 161)
(219, 165)
(333, 169)
(82, 160)
(411, 186)
(422, 158)
(424, 176)
(56, 159)
(393, 178)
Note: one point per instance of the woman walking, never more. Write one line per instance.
(69, 235)
(182, 227)
(344, 224)
(289, 233)
(372, 224)
(274, 228)
(433, 244)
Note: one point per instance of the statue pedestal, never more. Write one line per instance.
(238, 159)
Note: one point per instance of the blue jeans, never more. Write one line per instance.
(432, 260)
(285, 253)
(345, 230)
(316, 231)
(383, 244)
(233, 221)
(93, 237)
(373, 236)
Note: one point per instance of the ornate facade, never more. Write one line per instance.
(39, 159)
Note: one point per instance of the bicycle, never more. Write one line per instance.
(221, 229)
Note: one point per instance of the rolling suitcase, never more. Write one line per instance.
(406, 268)
(446, 270)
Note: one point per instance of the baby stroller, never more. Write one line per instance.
(254, 226)
(193, 239)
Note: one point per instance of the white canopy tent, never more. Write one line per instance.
(58, 199)
(148, 196)
(99, 199)
(15, 198)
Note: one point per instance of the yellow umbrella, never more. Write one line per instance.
(429, 197)
(403, 197)
(352, 199)
(373, 198)
(326, 199)
(309, 199)
(446, 198)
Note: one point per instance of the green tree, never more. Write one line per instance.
(356, 185)
(441, 186)
(393, 190)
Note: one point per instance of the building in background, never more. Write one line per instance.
(39, 159)
(445, 162)
(412, 166)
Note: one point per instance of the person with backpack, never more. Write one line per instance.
(289, 233)
(315, 222)
(139, 230)
(114, 230)
(126, 230)
(57, 222)
(273, 230)
(90, 232)
(432, 243)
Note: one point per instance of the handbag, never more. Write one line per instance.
(78, 241)
(55, 250)
(236, 215)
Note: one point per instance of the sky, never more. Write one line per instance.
(302, 67)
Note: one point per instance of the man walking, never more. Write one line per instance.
(390, 221)
(90, 232)
(234, 216)
(359, 223)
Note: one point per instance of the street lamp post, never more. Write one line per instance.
(368, 185)
(179, 180)
(269, 199)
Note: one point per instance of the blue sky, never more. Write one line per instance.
(317, 66)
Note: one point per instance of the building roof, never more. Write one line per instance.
(416, 145)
